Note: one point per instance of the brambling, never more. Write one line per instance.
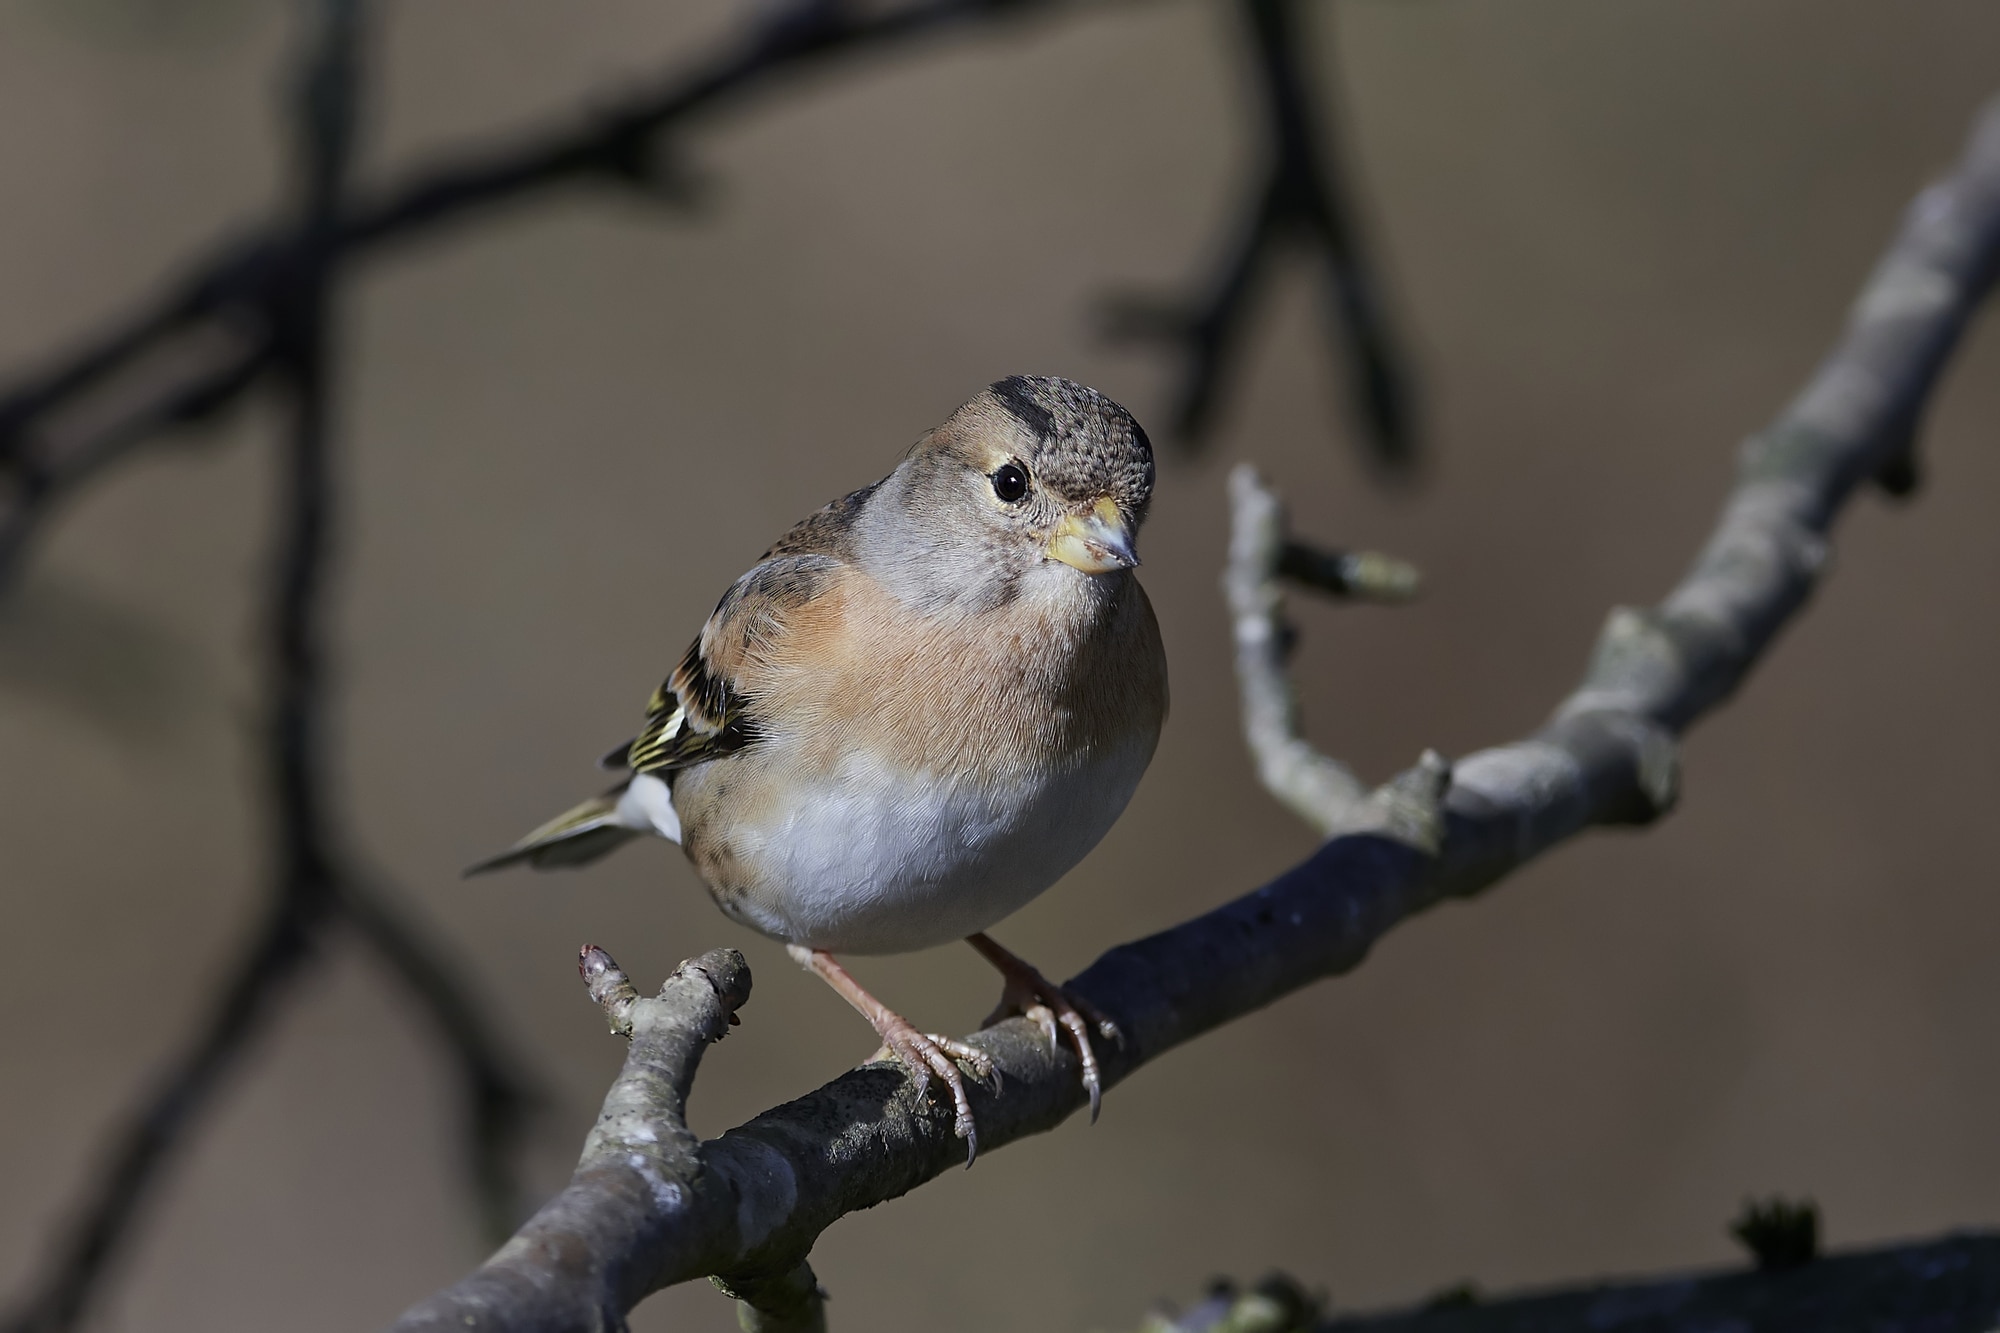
(916, 712)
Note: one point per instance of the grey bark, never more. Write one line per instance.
(645, 1212)
(1319, 789)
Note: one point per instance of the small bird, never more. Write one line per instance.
(915, 713)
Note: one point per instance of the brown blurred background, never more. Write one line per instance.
(1619, 235)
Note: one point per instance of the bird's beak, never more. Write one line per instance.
(1097, 542)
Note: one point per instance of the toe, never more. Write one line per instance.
(916, 1060)
(979, 1062)
(926, 1054)
(962, 1123)
(1044, 1018)
(1086, 1056)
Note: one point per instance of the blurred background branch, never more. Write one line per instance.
(210, 338)
(1302, 202)
(310, 888)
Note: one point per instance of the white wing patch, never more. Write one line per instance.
(648, 807)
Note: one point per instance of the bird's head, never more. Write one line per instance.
(1037, 482)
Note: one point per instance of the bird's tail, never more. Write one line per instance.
(602, 824)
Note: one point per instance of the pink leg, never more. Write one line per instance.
(922, 1053)
(1029, 993)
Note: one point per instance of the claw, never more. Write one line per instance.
(928, 1053)
(1049, 1006)
(1044, 1018)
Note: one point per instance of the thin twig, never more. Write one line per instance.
(760, 1195)
(1318, 788)
(791, 1302)
(1364, 576)
(641, 1163)
(1301, 201)
(205, 374)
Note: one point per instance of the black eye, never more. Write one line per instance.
(1010, 483)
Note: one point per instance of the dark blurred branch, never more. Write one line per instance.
(195, 376)
(308, 889)
(1939, 1286)
(213, 326)
(1301, 201)
(756, 1199)
(1779, 1233)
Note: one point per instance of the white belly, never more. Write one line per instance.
(873, 860)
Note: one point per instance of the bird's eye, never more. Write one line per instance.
(1010, 482)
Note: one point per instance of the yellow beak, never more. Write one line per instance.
(1097, 542)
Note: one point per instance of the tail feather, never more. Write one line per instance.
(576, 837)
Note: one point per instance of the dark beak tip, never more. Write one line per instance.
(1120, 557)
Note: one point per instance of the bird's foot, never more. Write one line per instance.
(928, 1053)
(1053, 1008)
(922, 1053)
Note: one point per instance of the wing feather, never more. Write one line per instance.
(700, 712)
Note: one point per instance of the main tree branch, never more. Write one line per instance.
(749, 1205)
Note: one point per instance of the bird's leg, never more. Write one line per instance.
(922, 1053)
(1027, 992)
